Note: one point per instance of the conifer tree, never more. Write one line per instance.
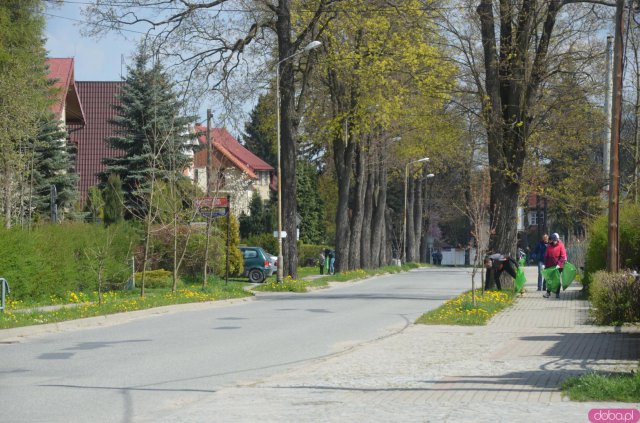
(310, 207)
(151, 131)
(113, 199)
(260, 130)
(253, 224)
(52, 164)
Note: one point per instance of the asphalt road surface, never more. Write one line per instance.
(146, 367)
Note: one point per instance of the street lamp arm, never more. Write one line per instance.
(312, 45)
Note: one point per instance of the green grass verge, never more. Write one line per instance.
(624, 387)
(81, 305)
(302, 285)
(461, 311)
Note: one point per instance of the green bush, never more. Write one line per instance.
(51, 260)
(308, 254)
(615, 298)
(191, 246)
(159, 278)
(629, 237)
(267, 241)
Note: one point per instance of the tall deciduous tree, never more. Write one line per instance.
(383, 76)
(152, 133)
(520, 51)
(25, 92)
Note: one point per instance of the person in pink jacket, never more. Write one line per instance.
(555, 256)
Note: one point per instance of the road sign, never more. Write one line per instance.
(284, 234)
(219, 212)
(210, 202)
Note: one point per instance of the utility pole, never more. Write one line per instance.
(606, 147)
(613, 255)
(209, 159)
(209, 177)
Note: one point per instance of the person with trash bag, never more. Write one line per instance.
(539, 251)
(555, 256)
(495, 265)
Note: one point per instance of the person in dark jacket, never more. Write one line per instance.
(321, 262)
(539, 251)
(496, 264)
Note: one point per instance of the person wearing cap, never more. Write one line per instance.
(555, 256)
(539, 251)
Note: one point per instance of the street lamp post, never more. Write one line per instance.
(312, 45)
(404, 223)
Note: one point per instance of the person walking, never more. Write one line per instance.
(539, 251)
(321, 262)
(555, 255)
(332, 260)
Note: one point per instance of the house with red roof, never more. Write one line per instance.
(237, 172)
(98, 99)
(86, 109)
(67, 106)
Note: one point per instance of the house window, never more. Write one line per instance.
(536, 217)
(264, 178)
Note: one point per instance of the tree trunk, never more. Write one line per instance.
(508, 98)
(424, 236)
(417, 220)
(378, 239)
(390, 242)
(343, 159)
(366, 258)
(288, 146)
(357, 209)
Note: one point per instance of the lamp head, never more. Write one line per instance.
(312, 45)
(424, 159)
(431, 175)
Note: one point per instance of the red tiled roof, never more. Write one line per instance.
(61, 71)
(224, 143)
(98, 99)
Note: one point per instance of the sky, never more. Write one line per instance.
(98, 59)
(95, 59)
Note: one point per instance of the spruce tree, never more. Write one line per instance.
(310, 207)
(260, 130)
(151, 131)
(52, 164)
(254, 223)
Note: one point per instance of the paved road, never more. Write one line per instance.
(169, 363)
(507, 371)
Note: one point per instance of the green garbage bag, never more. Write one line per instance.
(568, 275)
(552, 277)
(520, 280)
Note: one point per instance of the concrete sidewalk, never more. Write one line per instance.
(509, 370)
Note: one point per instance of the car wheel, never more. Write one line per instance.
(256, 275)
